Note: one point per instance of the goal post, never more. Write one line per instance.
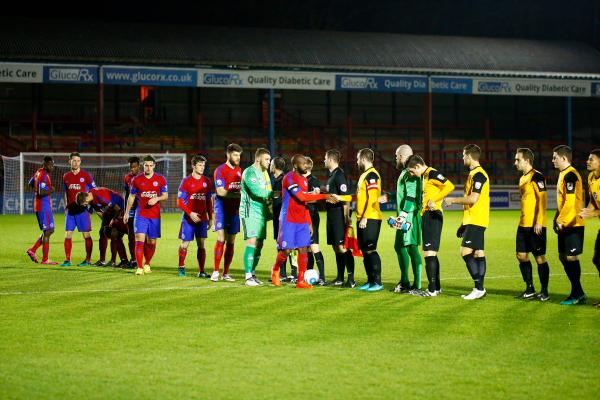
(107, 169)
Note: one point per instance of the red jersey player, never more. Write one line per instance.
(194, 199)
(149, 188)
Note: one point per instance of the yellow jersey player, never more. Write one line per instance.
(531, 233)
(593, 208)
(476, 217)
(435, 187)
(368, 217)
(567, 223)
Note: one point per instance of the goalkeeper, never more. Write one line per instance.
(409, 200)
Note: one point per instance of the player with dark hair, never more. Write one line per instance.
(531, 233)
(278, 169)
(227, 181)
(134, 170)
(150, 188)
(75, 181)
(476, 217)
(194, 198)
(314, 255)
(42, 206)
(568, 224)
(593, 208)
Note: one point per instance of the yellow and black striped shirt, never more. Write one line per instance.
(478, 213)
(435, 187)
(534, 199)
(569, 198)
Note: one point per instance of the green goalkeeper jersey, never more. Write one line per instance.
(256, 194)
(409, 195)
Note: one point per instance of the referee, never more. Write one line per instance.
(338, 217)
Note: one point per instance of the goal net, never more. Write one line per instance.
(107, 169)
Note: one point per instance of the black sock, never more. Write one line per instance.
(596, 260)
(472, 267)
(282, 270)
(527, 274)
(575, 268)
(320, 264)
(368, 267)
(375, 267)
(481, 268)
(544, 273)
(339, 262)
(430, 269)
(569, 273)
(311, 261)
(438, 286)
(349, 258)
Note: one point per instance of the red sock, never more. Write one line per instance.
(139, 254)
(68, 246)
(89, 245)
(182, 254)
(302, 263)
(280, 260)
(201, 256)
(36, 245)
(45, 251)
(113, 250)
(149, 252)
(102, 245)
(228, 257)
(218, 254)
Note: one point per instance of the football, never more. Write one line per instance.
(311, 276)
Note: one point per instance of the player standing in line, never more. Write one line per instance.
(368, 217)
(409, 193)
(75, 181)
(294, 221)
(194, 198)
(150, 188)
(476, 217)
(593, 208)
(435, 187)
(314, 186)
(227, 208)
(568, 225)
(255, 211)
(109, 205)
(338, 218)
(278, 172)
(42, 206)
(531, 233)
(134, 170)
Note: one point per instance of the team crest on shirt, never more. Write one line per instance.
(253, 180)
(239, 173)
(477, 185)
(154, 183)
(570, 185)
(219, 182)
(81, 180)
(203, 184)
(343, 187)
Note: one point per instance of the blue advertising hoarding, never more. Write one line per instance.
(149, 76)
(382, 83)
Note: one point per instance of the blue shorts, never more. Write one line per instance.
(230, 223)
(188, 231)
(81, 221)
(148, 226)
(293, 235)
(45, 220)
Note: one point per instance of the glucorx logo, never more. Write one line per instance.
(71, 74)
(222, 79)
(494, 87)
(358, 82)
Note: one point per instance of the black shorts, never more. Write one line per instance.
(474, 237)
(529, 242)
(316, 221)
(570, 241)
(432, 230)
(367, 238)
(336, 226)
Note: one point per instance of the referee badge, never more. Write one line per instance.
(343, 187)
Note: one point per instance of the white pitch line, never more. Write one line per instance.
(172, 288)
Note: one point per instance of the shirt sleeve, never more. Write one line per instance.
(219, 179)
(442, 183)
(163, 185)
(90, 182)
(134, 189)
(411, 195)
(479, 180)
(342, 184)
(541, 196)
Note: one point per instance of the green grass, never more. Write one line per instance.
(105, 333)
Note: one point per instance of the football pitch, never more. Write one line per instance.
(89, 332)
